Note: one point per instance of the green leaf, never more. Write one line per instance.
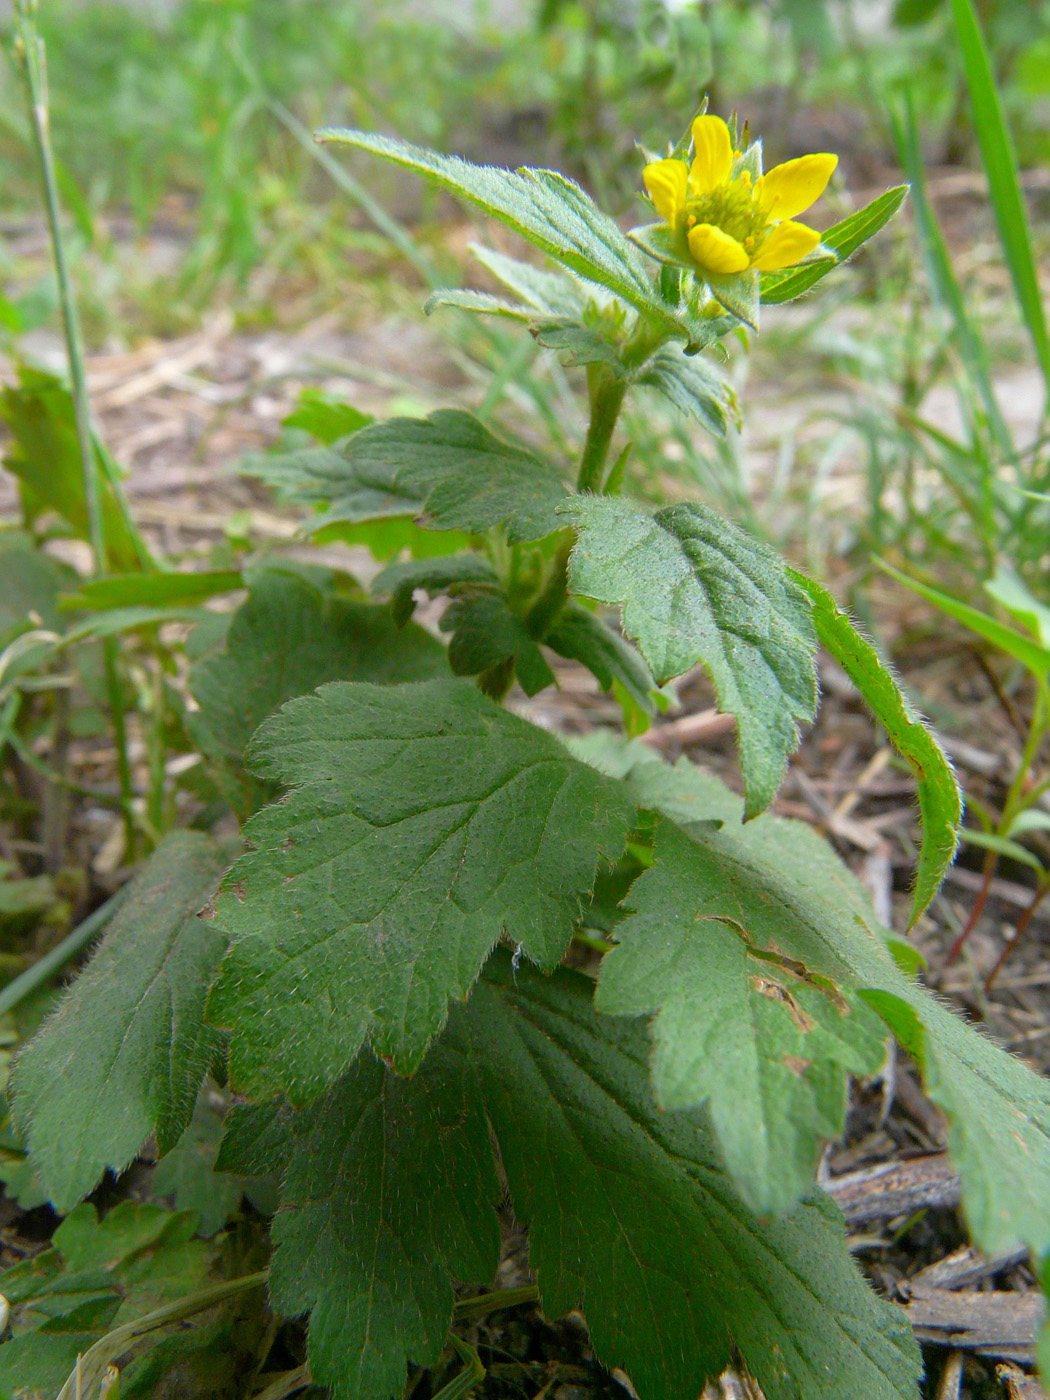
(765, 1043)
(843, 239)
(939, 800)
(1004, 186)
(662, 244)
(44, 454)
(581, 636)
(426, 823)
(447, 467)
(1011, 593)
(97, 1274)
(1002, 845)
(322, 638)
(30, 582)
(547, 209)
(485, 633)
(389, 1196)
(324, 417)
(481, 303)
(187, 1172)
(694, 588)
(126, 1051)
(738, 294)
(1016, 644)
(633, 1221)
(576, 344)
(694, 387)
(804, 904)
(435, 576)
(156, 590)
(552, 292)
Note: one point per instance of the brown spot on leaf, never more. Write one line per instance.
(796, 1064)
(776, 991)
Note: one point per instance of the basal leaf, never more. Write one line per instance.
(485, 633)
(435, 576)
(797, 900)
(550, 211)
(426, 823)
(694, 588)
(633, 1221)
(766, 1044)
(582, 636)
(939, 798)
(843, 239)
(322, 638)
(126, 1050)
(388, 1197)
(693, 386)
(187, 1173)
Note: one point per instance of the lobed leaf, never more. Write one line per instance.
(763, 1041)
(694, 387)
(581, 636)
(633, 1221)
(694, 588)
(436, 576)
(939, 799)
(547, 209)
(126, 1050)
(487, 633)
(426, 822)
(389, 1196)
(798, 901)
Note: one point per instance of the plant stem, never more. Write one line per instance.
(52, 963)
(606, 391)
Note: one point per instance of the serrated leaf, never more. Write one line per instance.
(764, 1043)
(322, 638)
(547, 209)
(582, 636)
(388, 1197)
(939, 798)
(126, 1050)
(325, 417)
(435, 576)
(188, 1172)
(485, 633)
(804, 904)
(694, 588)
(694, 387)
(633, 1221)
(552, 292)
(576, 344)
(843, 239)
(448, 468)
(426, 823)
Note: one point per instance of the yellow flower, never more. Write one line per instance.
(730, 218)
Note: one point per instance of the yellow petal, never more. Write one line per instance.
(789, 188)
(715, 250)
(714, 155)
(665, 182)
(788, 244)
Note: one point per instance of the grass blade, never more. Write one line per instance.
(1000, 164)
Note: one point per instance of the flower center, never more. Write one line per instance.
(733, 208)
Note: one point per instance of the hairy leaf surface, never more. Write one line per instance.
(693, 386)
(843, 239)
(550, 211)
(485, 632)
(633, 1220)
(436, 576)
(581, 636)
(426, 823)
(939, 799)
(388, 1197)
(448, 469)
(694, 588)
(764, 1042)
(126, 1050)
(796, 899)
